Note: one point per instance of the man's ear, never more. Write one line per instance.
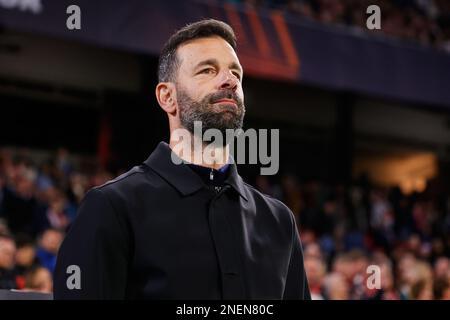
(166, 96)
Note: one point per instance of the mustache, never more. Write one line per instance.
(224, 94)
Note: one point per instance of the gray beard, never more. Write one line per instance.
(191, 111)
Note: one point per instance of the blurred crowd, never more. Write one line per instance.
(347, 229)
(38, 202)
(344, 229)
(423, 21)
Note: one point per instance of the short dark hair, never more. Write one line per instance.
(168, 61)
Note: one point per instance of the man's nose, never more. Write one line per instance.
(229, 81)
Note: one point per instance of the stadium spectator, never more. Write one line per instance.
(49, 244)
(315, 271)
(7, 253)
(39, 279)
(25, 259)
(336, 287)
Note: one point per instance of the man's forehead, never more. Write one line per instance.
(195, 51)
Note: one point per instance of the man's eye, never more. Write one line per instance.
(238, 75)
(207, 71)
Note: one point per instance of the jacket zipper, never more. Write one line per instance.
(211, 178)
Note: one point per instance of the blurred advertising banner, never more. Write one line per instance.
(272, 44)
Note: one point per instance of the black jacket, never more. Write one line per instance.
(157, 232)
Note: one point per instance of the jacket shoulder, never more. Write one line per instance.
(125, 181)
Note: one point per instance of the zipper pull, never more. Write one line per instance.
(211, 174)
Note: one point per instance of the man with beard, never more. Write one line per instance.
(191, 229)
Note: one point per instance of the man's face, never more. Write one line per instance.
(209, 87)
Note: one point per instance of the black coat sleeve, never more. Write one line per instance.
(97, 243)
(296, 283)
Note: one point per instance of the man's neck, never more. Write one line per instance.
(201, 153)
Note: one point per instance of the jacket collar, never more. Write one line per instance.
(182, 178)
